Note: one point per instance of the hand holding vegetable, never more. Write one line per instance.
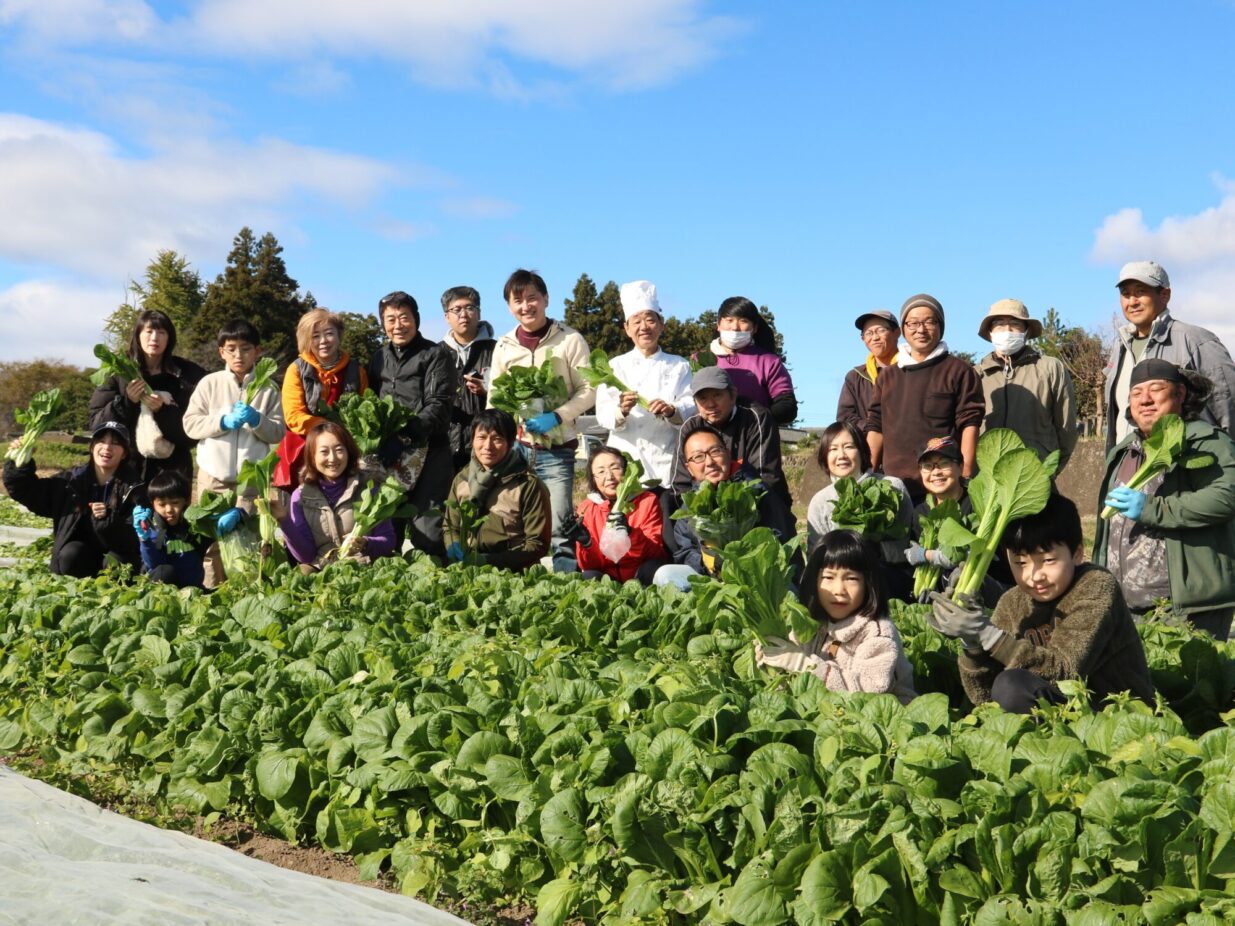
(38, 417)
(141, 523)
(232, 421)
(939, 558)
(661, 409)
(1163, 448)
(247, 414)
(136, 389)
(627, 401)
(229, 521)
(963, 619)
(1127, 501)
(542, 423)
(454, 552)
(915, 555)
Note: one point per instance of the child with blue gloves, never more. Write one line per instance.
(170, 551)
(228, 430)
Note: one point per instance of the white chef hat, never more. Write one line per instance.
(639, 296)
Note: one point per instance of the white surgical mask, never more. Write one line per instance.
(1008, 342)
(736, 340)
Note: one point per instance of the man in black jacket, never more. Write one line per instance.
(750, 434)
(470, 342)
(421, 375)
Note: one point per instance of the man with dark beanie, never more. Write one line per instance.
(928, 393)
(1173, 539)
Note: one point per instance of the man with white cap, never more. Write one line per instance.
(1151, 332)
(1026, 391)
(650, 434)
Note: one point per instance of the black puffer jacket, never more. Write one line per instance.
(179, 378)
(422, 377)
(66, 497)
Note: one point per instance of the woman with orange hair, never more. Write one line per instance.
(321, 373)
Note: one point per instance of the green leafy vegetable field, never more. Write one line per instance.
(612, 754)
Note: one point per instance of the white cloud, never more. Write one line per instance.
(1198, 251)
(478, 207)
(628, 45)
(74, 200)
(54, 319)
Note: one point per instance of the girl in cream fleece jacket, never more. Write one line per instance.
(857, 647)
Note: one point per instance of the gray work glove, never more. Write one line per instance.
(965, 621)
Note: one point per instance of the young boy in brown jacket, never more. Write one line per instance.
(1065, 619)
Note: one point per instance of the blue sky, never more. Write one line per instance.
(821, 158)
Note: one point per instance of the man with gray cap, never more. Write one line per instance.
(750, 434)
(929, 393)
(1144, 291)
(647, 431)
(879, 333)
(1026, 391)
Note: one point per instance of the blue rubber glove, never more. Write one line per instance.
(915, 555)
(542, 423)
(229, 521)
(1128, 502)
(231, 421)
(247, 414)
(141, 523)
(454, 552)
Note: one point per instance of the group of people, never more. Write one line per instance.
(499, 488)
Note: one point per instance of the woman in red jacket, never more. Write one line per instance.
(620, 546)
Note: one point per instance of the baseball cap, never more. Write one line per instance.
(710, 378)
(116, 428)
(1144, 271)
(944, 446)
(881, 314)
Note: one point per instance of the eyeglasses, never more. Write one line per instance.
(716, 453)
(876, 332)
(931, 465)
(928, 324)
(460, 310)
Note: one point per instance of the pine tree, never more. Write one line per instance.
(254, 285)
(598, 316)
(172, 288)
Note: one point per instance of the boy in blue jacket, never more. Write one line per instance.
(170, 551)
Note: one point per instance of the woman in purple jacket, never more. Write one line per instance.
(745, 348)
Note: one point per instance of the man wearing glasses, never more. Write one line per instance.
(879, 333)
(470, 341)
(708, 459)
(929, 393)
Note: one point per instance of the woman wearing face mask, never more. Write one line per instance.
(745, 348)
(1026, 391)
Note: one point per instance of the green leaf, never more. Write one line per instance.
(754, 899)
(995, 445)
(10, 736)
(825, 894)
(1218, 809)
(556, 900)
(262, 376)
(276, 773)
(561, 825)
(479, 747)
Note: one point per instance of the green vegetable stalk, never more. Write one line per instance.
(1163, 448)
(38, 417)
(263, 376)
(927, 576)
(235, 549)
(527, 391)
(1011, 483)
(630, 486)
(600, 373)
(371, 421)
(723, 512)
(259, 477)
(470, 520)
(870, 507)
(377, 504)
(113, 364)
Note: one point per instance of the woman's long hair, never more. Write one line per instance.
(151, 318)
(741, 307)
(311, 473)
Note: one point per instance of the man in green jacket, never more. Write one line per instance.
(1174, 539)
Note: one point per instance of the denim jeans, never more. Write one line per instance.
(555, 467)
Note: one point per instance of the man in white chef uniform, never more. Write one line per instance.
(663, 381)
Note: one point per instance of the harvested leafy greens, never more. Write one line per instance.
(869, 507)
(37, 418)
(1163, 448)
